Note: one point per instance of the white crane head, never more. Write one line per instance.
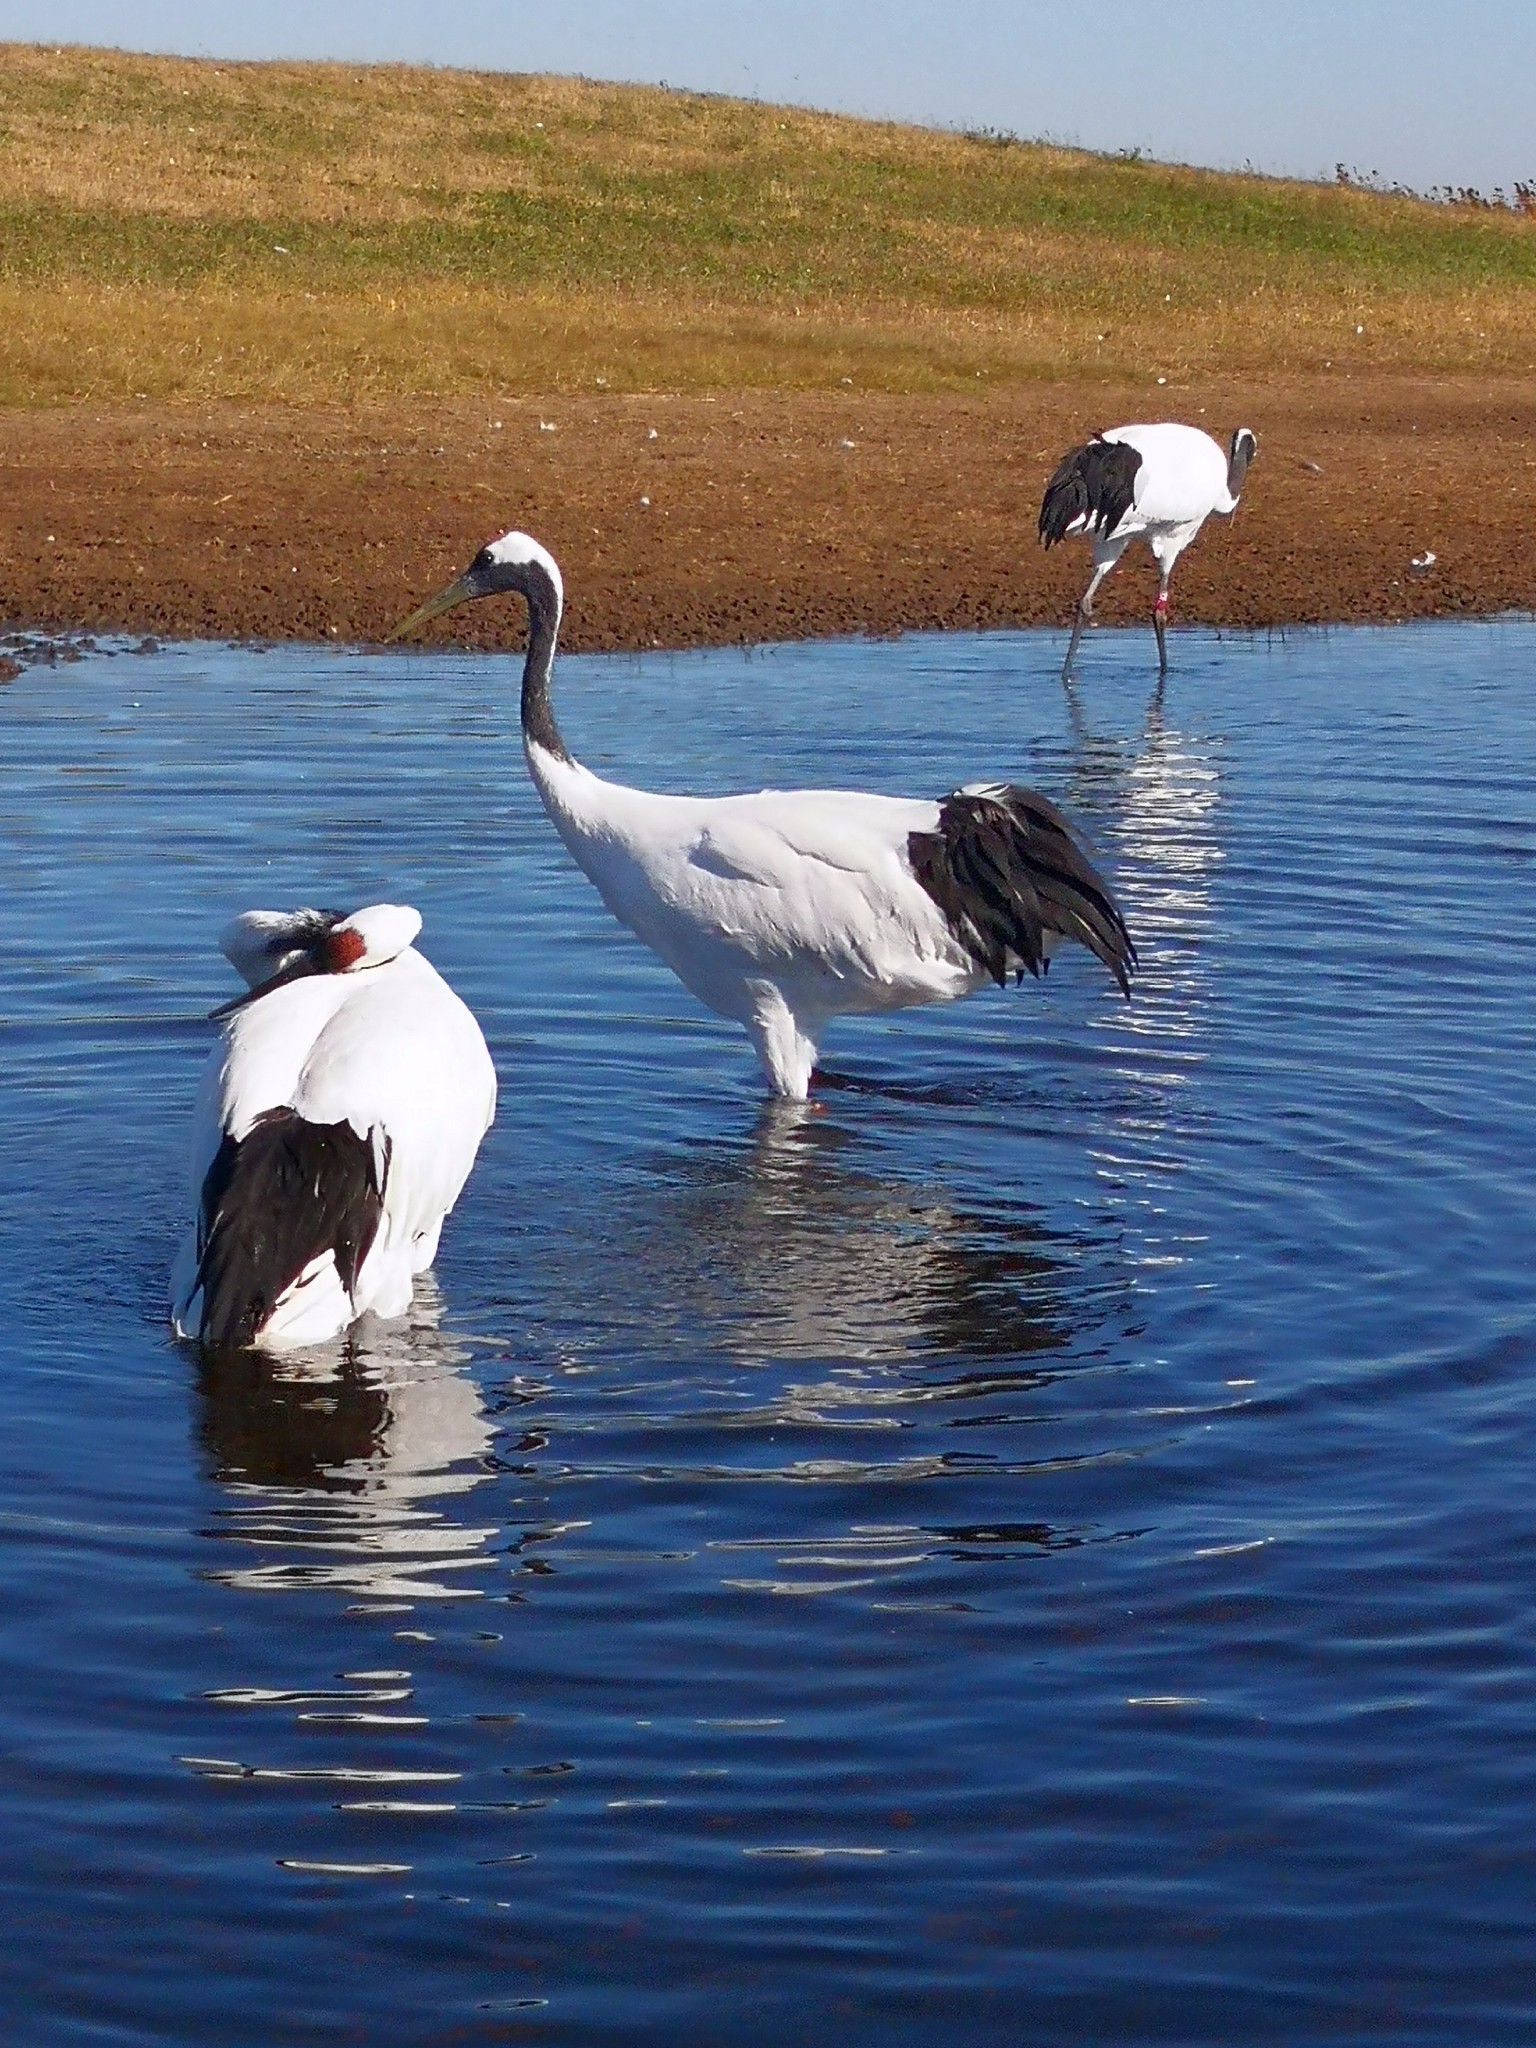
(512, 562)
(261, 943)
(273, 947)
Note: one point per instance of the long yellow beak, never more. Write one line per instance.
(456, 592)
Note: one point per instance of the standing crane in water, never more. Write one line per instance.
(783, 909)
(339, 1117)
(1160, 482)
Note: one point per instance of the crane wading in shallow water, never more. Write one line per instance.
(785, 909)
(1162, 482)
(338, 1120)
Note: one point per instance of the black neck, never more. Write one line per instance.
(1237, 466)
(539, 727)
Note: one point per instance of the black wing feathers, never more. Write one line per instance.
(1005, 867)
(288, 1191)
(1095, 483)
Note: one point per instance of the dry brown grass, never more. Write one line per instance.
(334, 142)
(83, 342)
(189, 230)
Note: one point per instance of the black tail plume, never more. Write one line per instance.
(1095, 483)
(1005, 867)
(281, 1196)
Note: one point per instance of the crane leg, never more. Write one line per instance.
(1082, 618)
(1084, 615)
(1160, 627)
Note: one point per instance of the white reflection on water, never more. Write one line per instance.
(333, 1461)
(1163, 789)
(810, 1252)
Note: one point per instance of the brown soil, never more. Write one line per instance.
(763, 522)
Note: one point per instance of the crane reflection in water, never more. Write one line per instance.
(1158, 796)
(1159, 792)
(805, 1284)
(813, 1253)
(334, 1462)
(851, 1368)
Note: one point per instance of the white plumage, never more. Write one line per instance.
(784, 909)
(779, 910)
(338, 1120)
(1159, 482)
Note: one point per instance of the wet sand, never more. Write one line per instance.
(769, 516)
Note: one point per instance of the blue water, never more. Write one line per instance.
(1039, 1549)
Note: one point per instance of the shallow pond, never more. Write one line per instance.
(1040, 1548)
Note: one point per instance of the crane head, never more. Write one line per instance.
(513, 562)
(273, 947)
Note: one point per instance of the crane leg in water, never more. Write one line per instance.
(1085, 612)
(1166, 549)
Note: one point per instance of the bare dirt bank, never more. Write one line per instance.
(695, 521)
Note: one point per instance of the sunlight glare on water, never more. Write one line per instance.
(1038, 1547)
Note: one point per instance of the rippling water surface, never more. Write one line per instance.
(1039, 1548)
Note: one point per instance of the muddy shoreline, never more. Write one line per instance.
(696, 521)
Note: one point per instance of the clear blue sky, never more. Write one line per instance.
(1427, 92)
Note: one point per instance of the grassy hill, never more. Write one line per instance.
(305, 231)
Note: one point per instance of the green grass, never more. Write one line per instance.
(151, 192)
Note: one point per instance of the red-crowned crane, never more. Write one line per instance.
(785, 909)
(1161, 482)
(339, 1117)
